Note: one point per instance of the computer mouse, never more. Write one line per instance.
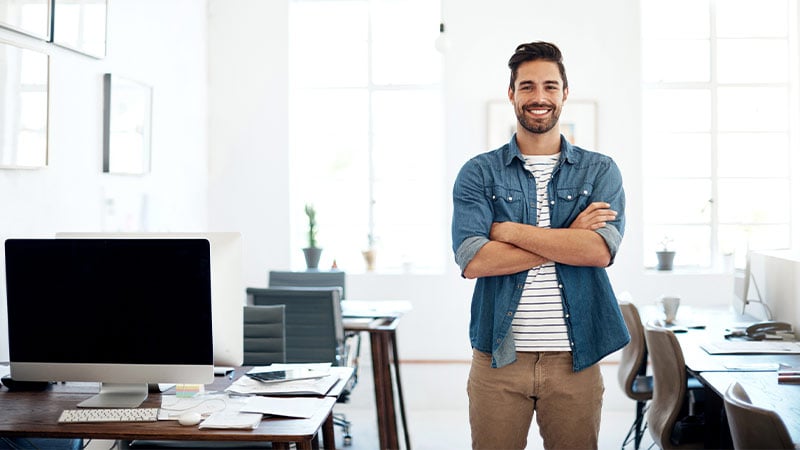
(190, 418)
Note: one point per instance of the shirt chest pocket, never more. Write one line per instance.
(507, 204)
(571, 201)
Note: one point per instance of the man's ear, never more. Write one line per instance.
(511, 94)
(566, 94)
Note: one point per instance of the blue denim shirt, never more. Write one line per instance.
(495, 187)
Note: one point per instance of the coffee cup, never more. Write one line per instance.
(669, 305)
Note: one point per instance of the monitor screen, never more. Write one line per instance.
(123, 312)
(227, 285)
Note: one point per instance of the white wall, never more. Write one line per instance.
(161, 43)
(600, 41)
(238, 50)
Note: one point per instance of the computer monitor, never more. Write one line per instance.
(743, 287)
(122, 312)
(227, 285)
(777, 273)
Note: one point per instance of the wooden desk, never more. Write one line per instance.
(35, 414)
(385, 370)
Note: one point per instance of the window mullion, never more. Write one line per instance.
(713, 86)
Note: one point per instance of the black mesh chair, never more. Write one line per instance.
(264, 331)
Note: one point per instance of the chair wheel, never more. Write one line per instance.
(348, 440)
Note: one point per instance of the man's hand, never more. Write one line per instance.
(594, 216)
(504, 231)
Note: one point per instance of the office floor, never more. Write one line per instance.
(436, 408)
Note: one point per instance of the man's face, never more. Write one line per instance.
(538, 96)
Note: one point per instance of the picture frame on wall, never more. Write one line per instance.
(25, 102)
(578, 123)
(81, 26)
(127, 123)
(30, 17)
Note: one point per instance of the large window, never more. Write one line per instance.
(719, 104)
(366, 131)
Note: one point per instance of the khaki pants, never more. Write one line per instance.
(502, 401)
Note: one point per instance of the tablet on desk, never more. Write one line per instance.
(274, 376)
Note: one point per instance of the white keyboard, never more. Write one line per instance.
(108, 415)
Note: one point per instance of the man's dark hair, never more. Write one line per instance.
(532, 52)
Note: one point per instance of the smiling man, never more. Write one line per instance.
(536, 222)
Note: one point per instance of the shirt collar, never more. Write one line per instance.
(512, 151)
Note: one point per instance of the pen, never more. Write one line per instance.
(230, 374)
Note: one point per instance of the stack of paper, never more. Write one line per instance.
(316, 386)
(219, 410)
(225, 420)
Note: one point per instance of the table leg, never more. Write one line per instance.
(328, 437)
(384, 394)
(400, 390)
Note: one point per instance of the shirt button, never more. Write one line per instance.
(498, 341)
(572, 343)
(566, 316)
(561, 286)
(494, 197)
(510, 314)
(585, 192)
(509, 199)
(552, 202)
(569, 197)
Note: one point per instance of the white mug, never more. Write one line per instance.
(669, 305)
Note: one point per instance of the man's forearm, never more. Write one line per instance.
(576, 247)
(500, 258)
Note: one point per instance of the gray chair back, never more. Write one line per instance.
(314, 328)
(631, 372)
(264, 335)
(753, 427)
(669, 387)
(310, 278)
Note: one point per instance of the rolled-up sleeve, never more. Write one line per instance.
(472, 214)
(611, 191)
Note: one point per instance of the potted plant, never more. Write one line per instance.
(370, 253)
(312, 252)
(665, 255)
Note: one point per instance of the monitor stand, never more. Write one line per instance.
(117, 395)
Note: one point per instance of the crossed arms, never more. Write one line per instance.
(515, 247)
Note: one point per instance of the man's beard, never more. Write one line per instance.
(538, 127)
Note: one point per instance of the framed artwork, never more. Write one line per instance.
(80, 25)
(24, 107)
(127, 119)
(31, 17)
(578, 123)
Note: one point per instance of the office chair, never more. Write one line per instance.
(753, 427)
(309, 278)
(314, 329)
(264, 335)
(315, 278)
(670, 417)
(632, 373)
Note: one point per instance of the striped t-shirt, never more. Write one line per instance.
(538, 324)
